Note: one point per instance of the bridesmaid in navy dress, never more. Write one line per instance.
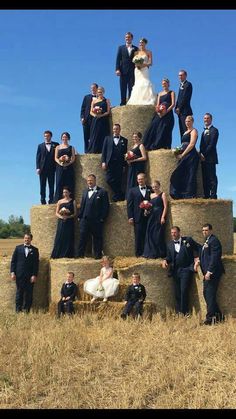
(137, 164)
(159, 133)
(64, 157)
(183, 181)
(100, 128)
(154, 246)
(64, 240)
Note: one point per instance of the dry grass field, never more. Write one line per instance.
(8, 245)
(91, 363)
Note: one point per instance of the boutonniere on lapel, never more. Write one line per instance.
(149, 190)
(30, 251)
(186, 243)
(205, 245)
(121, 142)
(207, 132)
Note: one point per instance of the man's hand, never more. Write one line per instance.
(13, 276)
(104, 166)
(131, 221)
(207, 276)
(38, 171)
(33, 279)
(118, 73)
(177, 111)
(164, 264)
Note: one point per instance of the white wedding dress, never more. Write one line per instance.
(109, 286)
(143, 90)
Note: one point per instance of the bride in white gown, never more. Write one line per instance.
(143, 90)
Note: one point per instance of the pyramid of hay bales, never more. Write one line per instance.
(189, 215)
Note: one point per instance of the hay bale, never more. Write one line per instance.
(43, 228)
(109, 309)
(7, 286)
(161, 164)
(83, 269)
(86, 164)
(41, 287)
(191, 214)
(132, 118)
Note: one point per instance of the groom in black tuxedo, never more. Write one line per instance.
(113, 161)
(46, 166)
(209, 158)
(136, 215)
(93, 211)
(182, 107)
(24, 270)
(85, 116)
(182, 256)
(125, 67)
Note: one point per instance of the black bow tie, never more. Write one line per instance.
(206, 128)
(94, 95)
(26, 245)
(143, 187)
(116, 137)
(48, 143)
(90, 189)
(177, 242)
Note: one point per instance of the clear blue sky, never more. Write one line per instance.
(50, 57)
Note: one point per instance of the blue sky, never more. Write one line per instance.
(49, 58)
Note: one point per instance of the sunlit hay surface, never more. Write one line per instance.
(83, 362)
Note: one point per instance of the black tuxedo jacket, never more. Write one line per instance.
(41, 156)
(124, 61)
(108, 147)
(185, 258)
(98, 205)
(183, 99)
(85, 107)
(208, 145)
(69, 291)
(134, 199)
(135, 292)
(210, 257)
(24, 266)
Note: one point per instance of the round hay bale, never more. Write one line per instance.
(132, 118)
(41, 287)
(83, 269)
(161, 164)
(7, 286)
(191, 214)
(43, 227)
(86, 164)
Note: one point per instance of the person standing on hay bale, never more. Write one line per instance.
(46, 166)
(209, 158)
(134, 297)
(104, 285)
(24, 270)
(93, 211)
(212, 269)
(183, 107)
(68, 294)
(182, 253)
(85, 117)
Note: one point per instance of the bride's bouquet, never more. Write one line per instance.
(138, 61)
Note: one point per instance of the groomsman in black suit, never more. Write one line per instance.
(136, 215)
(113, 161)
(24, 270)
(46, 166)
(85, 116)
(182, 254)
(212, 269)
(125, 67)
(182, 107)
(93, 211)
(209, 158)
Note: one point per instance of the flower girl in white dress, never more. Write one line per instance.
(104, 285)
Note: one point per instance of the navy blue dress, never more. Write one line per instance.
(154, 246)
(134, 169)
(99, 129)
(159, 133)
(183, 181)
(64, 239)
(64, 175)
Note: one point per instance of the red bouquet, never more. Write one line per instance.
(146, 205)
(97, 110)
(64, 159)
(161, 108)
(130, 155)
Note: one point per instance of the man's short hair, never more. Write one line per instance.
(71, 273)
(175, 228)
(207, 225)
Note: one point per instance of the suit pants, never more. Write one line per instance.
(91, 228)
(65, 307)
(44, 177)
(24, 295)
(139, 233)
(114, 176)
(126, 81)
(86, 129)
(133, 304)
(209, 292)
(182, 281)
(210, 181)
(182, 126)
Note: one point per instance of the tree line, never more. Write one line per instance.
(15, 227)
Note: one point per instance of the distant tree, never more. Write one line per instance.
(14, 228)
